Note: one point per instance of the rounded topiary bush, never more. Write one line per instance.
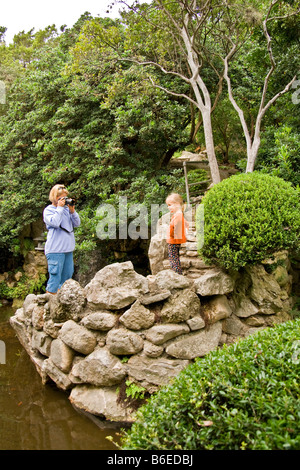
(244, 396)
(247, 217)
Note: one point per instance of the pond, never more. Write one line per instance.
(34, 416)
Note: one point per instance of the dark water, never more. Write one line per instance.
(40, 417)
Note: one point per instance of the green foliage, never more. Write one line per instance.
(280, 155)
(22, 288)
(243, 396)
(247, 218)
(134, 391)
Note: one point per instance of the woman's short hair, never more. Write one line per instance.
(57, 191)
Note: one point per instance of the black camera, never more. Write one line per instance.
(69, 201)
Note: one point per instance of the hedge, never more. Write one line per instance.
(243, 396)
(247, 217)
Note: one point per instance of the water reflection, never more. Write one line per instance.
(40, 417)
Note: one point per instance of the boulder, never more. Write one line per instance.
(137, 317)
(153, 372)
(196, 323)
(61, 379)
(121, 341)
(159, 334)
(115, 286)
(156, 296)
(217, 308)
(196, 344)
(170, 280)
(71, 299)
(41, 342)
(100, 402)
(100, 368)
(265, 290)
(77, 337)
(102, 320)
(214, 282)
(181, 306)
(61, 355)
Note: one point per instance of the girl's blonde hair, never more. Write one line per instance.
(176, 198)
(57, 191)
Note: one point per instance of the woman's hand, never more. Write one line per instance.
(72, 209)
(61, 202)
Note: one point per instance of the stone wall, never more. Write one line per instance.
(143, 330)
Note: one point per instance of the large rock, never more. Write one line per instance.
(214, 282)
(121, 341)
(71, 299)
(100, 402)
(78, 337)
(153, 372)
(159, 334)
(265, 291)
(196, 344)
(61, 379)
(217, 308)
(137, 317)
(61, 355)
(170, 280)
(102, 321)
(100, 368)
(116, 286)
(181, 306)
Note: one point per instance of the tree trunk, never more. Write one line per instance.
(210, 148)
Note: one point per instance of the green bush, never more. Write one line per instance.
(247, 218)
(243, 396)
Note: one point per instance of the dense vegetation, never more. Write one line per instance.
(80, 111)
(243, 396)
(248, 217)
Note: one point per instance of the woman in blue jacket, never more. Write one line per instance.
(60, 219)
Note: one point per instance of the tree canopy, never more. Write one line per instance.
(103, 106)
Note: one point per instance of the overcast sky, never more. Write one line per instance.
(23, 15)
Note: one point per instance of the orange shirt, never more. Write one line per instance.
(177, 229)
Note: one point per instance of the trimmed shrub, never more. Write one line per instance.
(243, 396)
(247, 218)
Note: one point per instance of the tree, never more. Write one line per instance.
(172, 37)
(237, 40)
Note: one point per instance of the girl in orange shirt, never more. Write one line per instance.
(177, 230)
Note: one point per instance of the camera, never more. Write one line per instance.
(69, 201)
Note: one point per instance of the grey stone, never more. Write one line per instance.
(100, 368)
(154, 371)
(99, 321)
(181, 306)
(217, 308)
(196, 323)
(71, 299)
(61, 355)
(61, 379)
(42, 342)
(100, 402)
(121, 341)
(152, 350)
(116, 286)
(77, 337)
(159, 334)
(214, 282)
(196, 344)
(153, 297)
(137, 317)
(170, 280)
